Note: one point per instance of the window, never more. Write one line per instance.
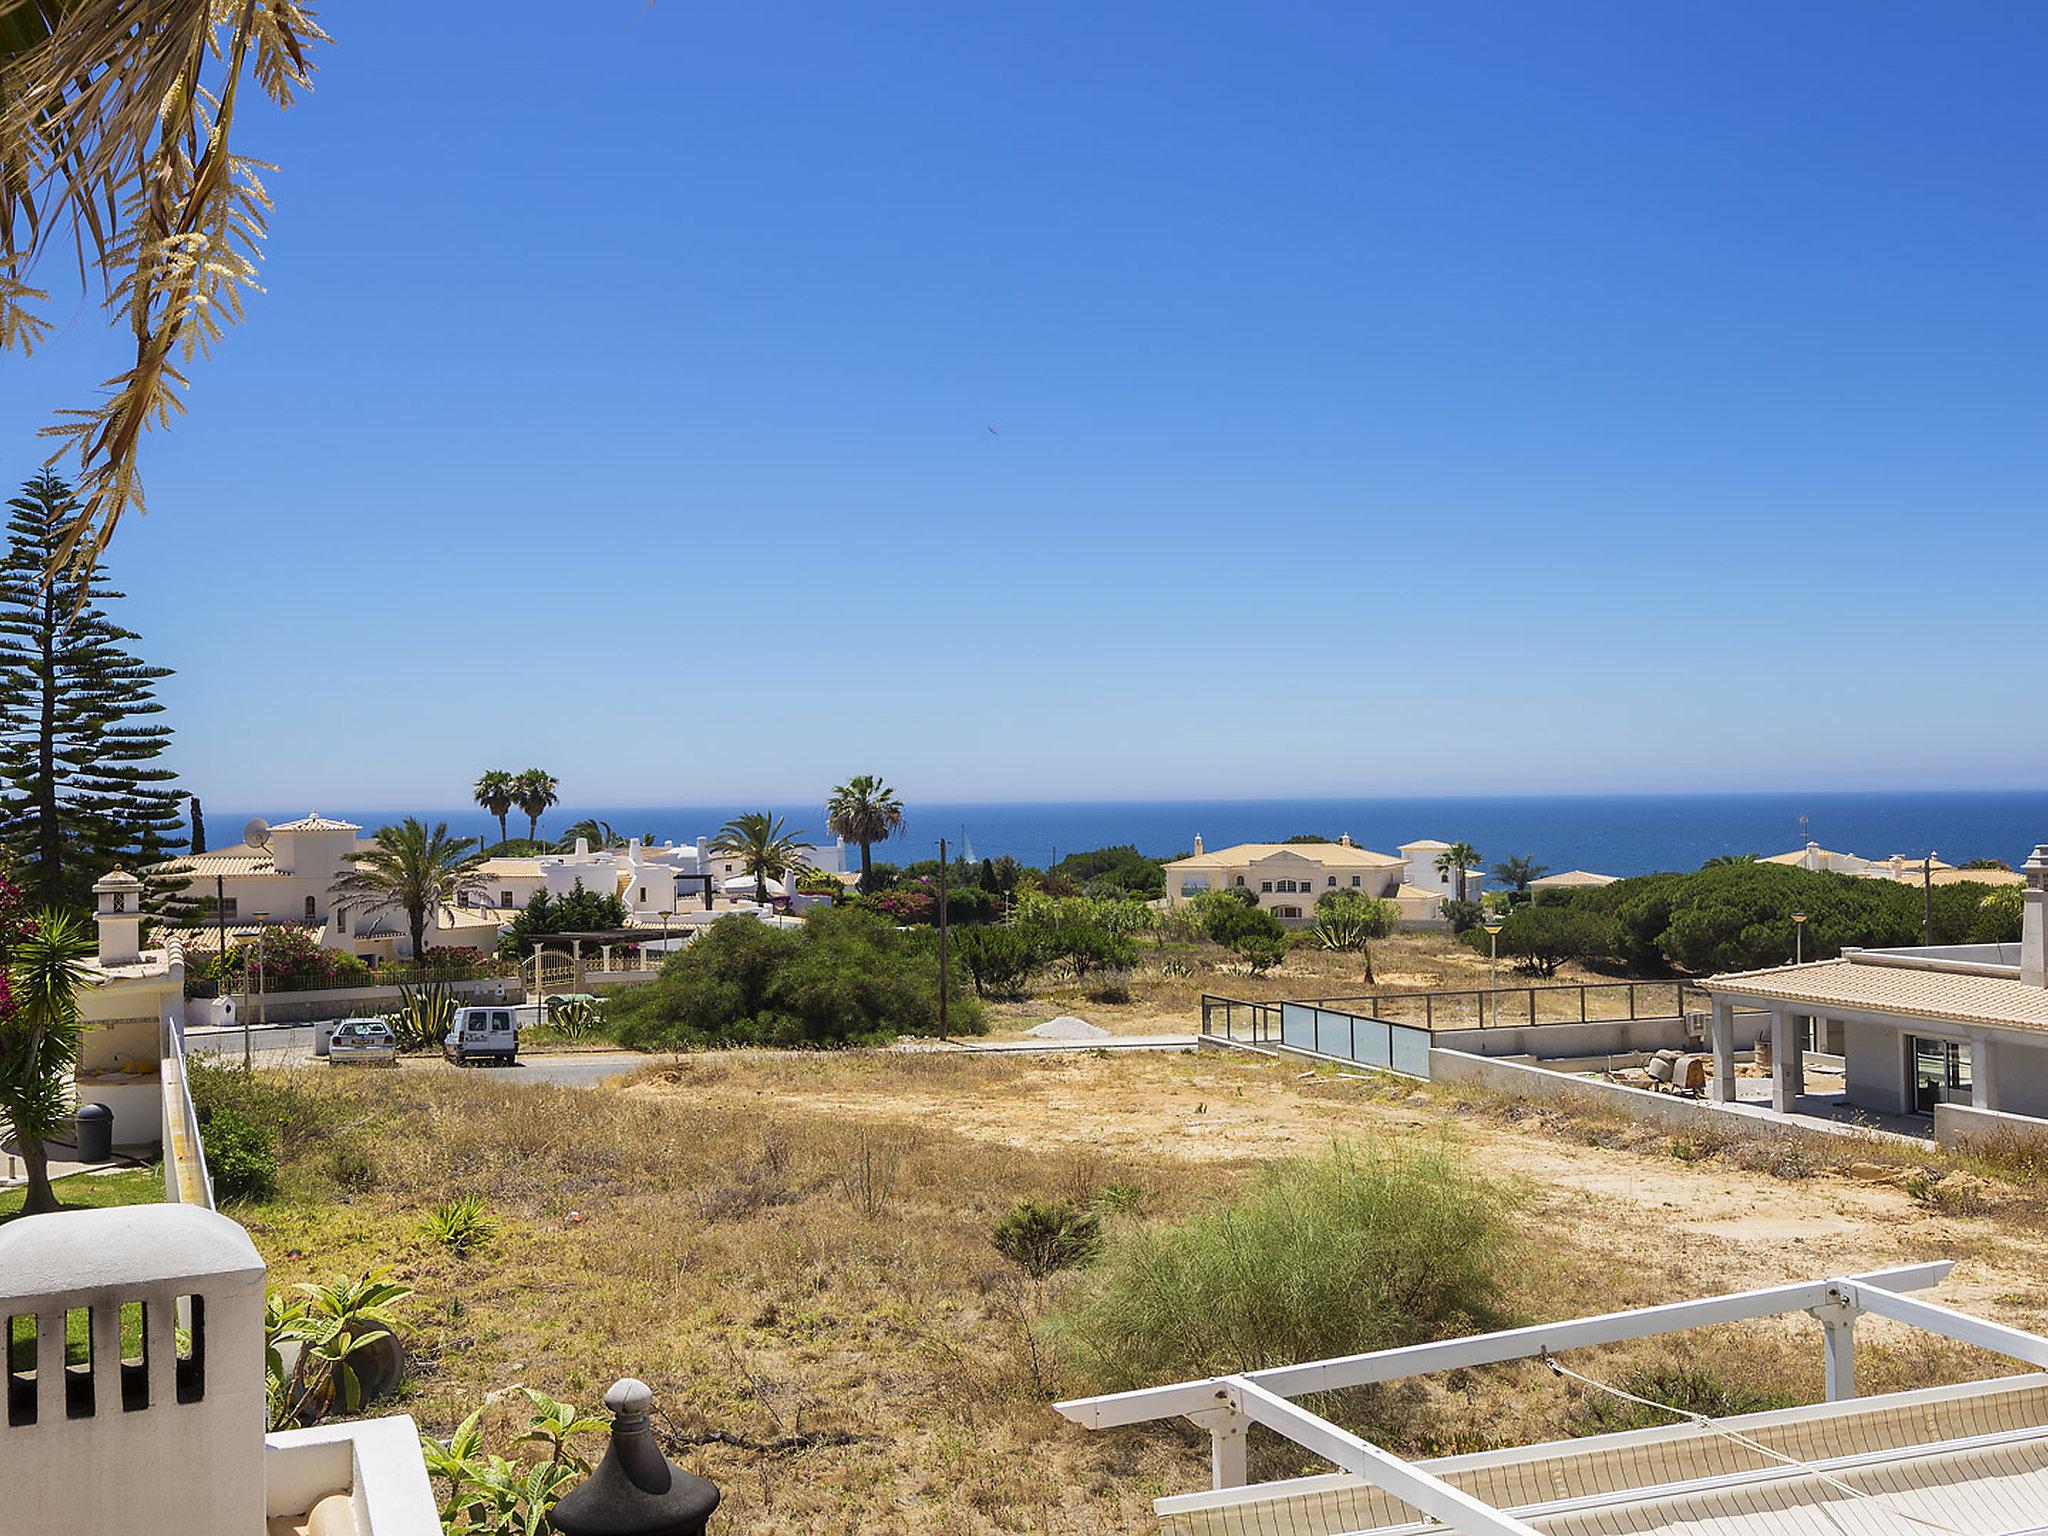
(1287, 911)
(1240, 879)
(341, 919)
(643, 895)
(1265, 885)
(1354, 879)
(1332, 880)
(312, 908)
(504, 898)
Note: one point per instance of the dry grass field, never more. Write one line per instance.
(793, 1250)
(1408, 961)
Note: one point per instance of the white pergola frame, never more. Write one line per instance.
(1227, 1405)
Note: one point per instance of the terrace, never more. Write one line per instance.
(1961, 1458)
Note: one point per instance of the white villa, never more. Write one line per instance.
(287, 877)
(1949, 1030)
(1288, 877)
(650, 880)
(1897, 866)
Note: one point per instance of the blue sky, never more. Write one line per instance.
(1387, 398)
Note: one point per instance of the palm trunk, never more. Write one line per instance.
(39, 1199)
(867, 869)
(504, 834)
(418, 920)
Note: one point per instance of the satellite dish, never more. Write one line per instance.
(256, 833)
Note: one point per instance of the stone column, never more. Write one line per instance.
(1787, 1060)
(1721, 1033)
(1984, 1055)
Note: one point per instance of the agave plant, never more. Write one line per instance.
(1343, 931)
(425, 1015)
(461, 1224)
(578, 1017)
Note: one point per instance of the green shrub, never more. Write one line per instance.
(1356, 1250)
(240, 1155)
(1000, 960)
(1042, 1237)
(1227, 916)
(1259, 952)
(1541, 938)
(846, 977)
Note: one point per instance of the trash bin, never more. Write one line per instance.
(95, 1133)
(323, 1035)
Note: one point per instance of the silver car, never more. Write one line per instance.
(362, 1040)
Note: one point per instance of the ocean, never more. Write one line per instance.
(1612, 834)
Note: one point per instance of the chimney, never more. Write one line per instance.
(1345, 840)
(2034, 924)
(1198, 842)
(117, 903)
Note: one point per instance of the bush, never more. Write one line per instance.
(1227, 916)
(1043, 1236)
(1541, 938)
(1463, 916)
(240, 1155)
(1259, 952)
(1356, 1250)
(1000, 960)
(1113, 872)
(846, 977)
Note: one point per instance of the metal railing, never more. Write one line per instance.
(1334, 1032)
(1588, 1002)
(187, 1180)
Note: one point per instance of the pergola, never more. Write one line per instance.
(1968, 1460)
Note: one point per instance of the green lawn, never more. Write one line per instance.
(132, 1186)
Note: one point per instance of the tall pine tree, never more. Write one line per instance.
(81, 790)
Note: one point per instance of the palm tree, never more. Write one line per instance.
(599, 833)
(1454, 861)
(864, 810)
(420, 871)
(764, 850)
(496, 791)
(1518, 871)
(50, 965)
(115, 133)
(533, 792)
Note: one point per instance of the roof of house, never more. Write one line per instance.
(241, 859)
(1407, 892)
(1799, 855)
(313, 821)
(1349, 855)
(1425, 842)
(1875, 987)
(510, 867)
(1572, 879)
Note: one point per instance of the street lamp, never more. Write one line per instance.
(261, 919)
(1492, 924)
(664, 933)
(1799, 938)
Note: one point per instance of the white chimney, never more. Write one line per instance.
(2034, 922)
(1198, 842)
(117, 903)
(1345, 840)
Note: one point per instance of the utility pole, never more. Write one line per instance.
(943, 897)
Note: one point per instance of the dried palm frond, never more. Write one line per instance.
(115, 117)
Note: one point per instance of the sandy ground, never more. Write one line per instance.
(1674, 1227)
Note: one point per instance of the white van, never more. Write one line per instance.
(482, 1034)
